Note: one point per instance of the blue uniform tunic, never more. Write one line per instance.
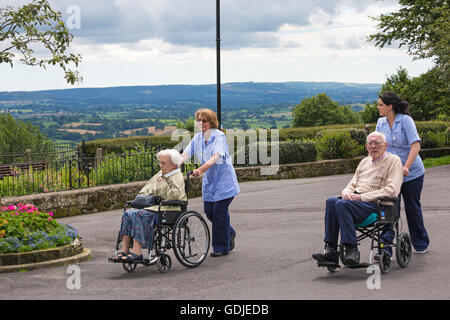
(399, 139)
(220, 181)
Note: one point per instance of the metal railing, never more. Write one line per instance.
(77, 172)
(55, 151)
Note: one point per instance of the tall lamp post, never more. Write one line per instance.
(219, 107)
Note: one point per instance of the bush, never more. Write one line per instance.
(447, 137)
(122, 145)
(432, 133)
(24, 228)
(289, 152)
(338, 144)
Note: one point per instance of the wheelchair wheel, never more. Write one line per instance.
(403, 250)
(385, 262)
(164, 263)
(190, 239)
(129, 266)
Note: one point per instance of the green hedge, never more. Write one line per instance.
(120, 145)
(341, 144)
(433, 134)
(289, 152)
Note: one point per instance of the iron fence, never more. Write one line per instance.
(56, 151)
(78, 171)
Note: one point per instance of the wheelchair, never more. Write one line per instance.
(185, 231)
(385, 220)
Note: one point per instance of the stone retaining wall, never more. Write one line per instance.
(104, 198)
(24, 258)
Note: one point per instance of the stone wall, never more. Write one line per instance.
(104, 198)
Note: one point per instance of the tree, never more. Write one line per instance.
(17, 136)
(321, 110)
(33, 23)
(423, 93)
(423, 26)
(370, 113)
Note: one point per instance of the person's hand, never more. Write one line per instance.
(345, 196)
(351, 196)
(405, 171)
(196, 173)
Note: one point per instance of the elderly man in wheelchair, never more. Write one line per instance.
(370, 194)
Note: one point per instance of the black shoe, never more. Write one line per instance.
(352, 256)
(218, 254)
(330, 255)
(232, 242)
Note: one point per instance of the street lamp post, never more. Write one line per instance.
(219, 107)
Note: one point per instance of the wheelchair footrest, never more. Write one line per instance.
(358, 265)
(328, 264)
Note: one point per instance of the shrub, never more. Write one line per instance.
(447, 137)
(288, 151)
(338, 144)
(121, 145)
(24, 228)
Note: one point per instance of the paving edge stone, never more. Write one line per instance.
(83, 256)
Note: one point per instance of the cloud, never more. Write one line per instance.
(249, 23)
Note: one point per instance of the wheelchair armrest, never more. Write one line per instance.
(173, 203)
(386, 199)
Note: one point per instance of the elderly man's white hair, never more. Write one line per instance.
(175, 156)
(378, 134)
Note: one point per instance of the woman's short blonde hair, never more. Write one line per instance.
(209, 115)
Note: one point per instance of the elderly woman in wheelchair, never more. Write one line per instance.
(138, 224)
(161, 221)
(368, 204)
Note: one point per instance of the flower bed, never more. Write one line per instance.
(24, 228)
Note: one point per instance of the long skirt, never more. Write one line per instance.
(139, 224)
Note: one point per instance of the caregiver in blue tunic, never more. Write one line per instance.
(219, 184)
(404, 141)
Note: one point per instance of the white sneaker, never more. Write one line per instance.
(422, 251)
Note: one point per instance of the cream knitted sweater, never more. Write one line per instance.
(380, 178)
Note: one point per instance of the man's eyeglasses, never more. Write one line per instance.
(203, 120)
(377, 143)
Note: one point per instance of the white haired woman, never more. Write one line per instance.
(138, 224)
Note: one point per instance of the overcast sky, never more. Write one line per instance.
(149, 42)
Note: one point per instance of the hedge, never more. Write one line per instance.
(288, 151)
(433, 134)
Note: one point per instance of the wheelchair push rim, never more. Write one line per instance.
(190, 239)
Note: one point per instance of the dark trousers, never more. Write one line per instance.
(342, 215)
(217, 213)
(410, 192)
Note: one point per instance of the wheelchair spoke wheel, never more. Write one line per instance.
(129, 266)
(191, 239)
(403, 250)
(385, 262)
(164, 263)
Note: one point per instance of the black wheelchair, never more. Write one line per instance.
(378, 226)
(185, 231)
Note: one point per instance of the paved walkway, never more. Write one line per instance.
(279, 225)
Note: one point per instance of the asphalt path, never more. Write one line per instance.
(279, 225)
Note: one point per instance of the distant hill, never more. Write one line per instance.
(234, 95)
